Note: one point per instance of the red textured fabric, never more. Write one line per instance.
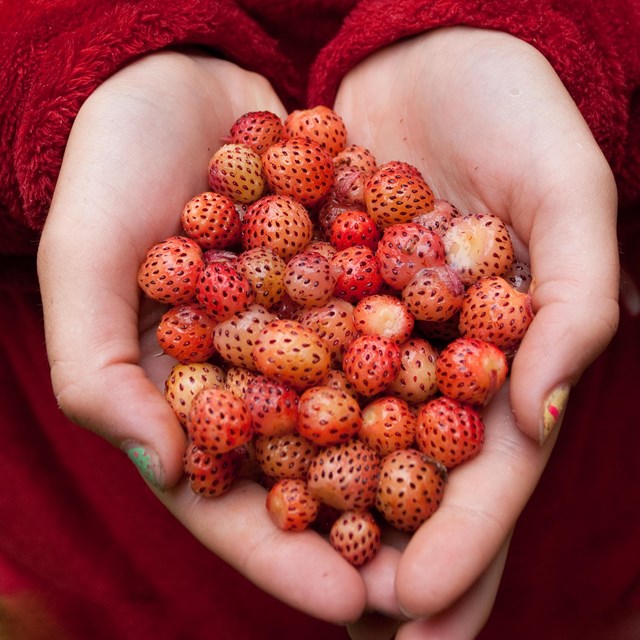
(78, 529)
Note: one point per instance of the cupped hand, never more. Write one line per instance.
(137, 152)
(493, 129)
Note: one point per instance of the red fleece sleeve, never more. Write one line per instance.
(53, 55)
(593, 46)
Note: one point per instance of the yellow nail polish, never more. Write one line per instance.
(553, 410)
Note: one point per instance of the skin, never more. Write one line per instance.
(516, 145)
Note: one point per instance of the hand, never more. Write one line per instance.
(137, 152)
(489, 123)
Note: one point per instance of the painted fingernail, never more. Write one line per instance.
(147, 463)
(553, 410)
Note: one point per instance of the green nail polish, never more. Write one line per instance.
(146, 462)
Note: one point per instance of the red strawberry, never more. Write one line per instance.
(286, 456)
(416, 381)
(345, 476)
(235, 170)
(170, 270)
(450, 431)
(357, 273)
(328, 211)
(277, 222)
(223, 291)
(410, 488)
(185, 380)
(299, 169)
(308, 279)
(356, 535)
(478, 245)
(328, 416)
(383, 315)
(471, 370)
(439, 218)
(291, 505)
(219, 421)
(257, 130)
(211, 474)
(264, 268)
(289, 352)
(273, 407)
(185, 333)
(320, 124)
(212, 220)
(388, 424)
(434, 294)
(492, 310)
(355, 156)
(238, 379)
(352, 228)
(371, 363)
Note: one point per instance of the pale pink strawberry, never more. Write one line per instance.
(345, 476)
(327, 416)
(356, 156)
(291, 505)
(348, 187)
(219, 421)
(320, 124)
(273, 406)
(336, 379)
(434, 294)
(383, 315)
(300, 169)
(237, 380)
(439, 218)
(388, 424)
(353, 228)
(471, 370)
(410, 489)
(371, 363)
(211, 474)
(357, 272)
(219, 255)
(185, 332)
(212, 220)
(323, 247)
(356, 535)
(264, 268)
(170, 270)
(308, 279)
(287, 351)
(416, 380)
(277, 222)
(235, 170)
(286, 456)
(257, 130)
(449, 430)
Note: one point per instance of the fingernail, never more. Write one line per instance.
(553, 410)
(146, 461)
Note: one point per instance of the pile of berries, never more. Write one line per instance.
(337, 329)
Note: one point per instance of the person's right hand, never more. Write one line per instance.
(137, 152)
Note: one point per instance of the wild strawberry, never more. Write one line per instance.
(333, 322)
(434, 294)
(478, 245)
(356, 535)
(357, 272)
(210, 474)
(345, 476)
(320, 124)
(185, 380)
(308, 279)
(348, 188)
(299, 169)
(257, 130)
(223, 291)
(277, 222)
(291, 505)
(388, 424)
(273, 407)
(238, 379)
(219, 255)
(286, 456)
(235, 337)
(353, 228)
(323, 247)
(212, 220)
(170, 270)
(328, 211)
(394, 194)
(471, 370)
(405, 249)
(355, 156)
(383, 315)
(410, 489)
(219, 421)
(286, 308)
(185, 333)
(371, 363)
(328, 416)
(519, 276)
(289, 352)
(336, 379)
(449, 430)
(492, 310)
(264, 268)
(416, 381)
(235, 170)
(439, 218)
